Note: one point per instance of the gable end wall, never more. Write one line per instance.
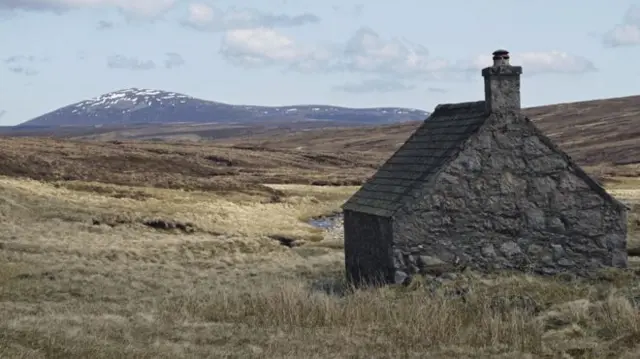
(510, 202)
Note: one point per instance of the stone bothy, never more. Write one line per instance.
(478, 184)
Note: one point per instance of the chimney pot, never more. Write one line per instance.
(500, 58)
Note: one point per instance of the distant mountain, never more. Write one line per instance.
(144, 106)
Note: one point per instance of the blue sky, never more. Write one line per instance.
(412, 53)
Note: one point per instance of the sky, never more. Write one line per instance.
(406, 53)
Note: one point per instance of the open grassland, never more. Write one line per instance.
(96, 270)
(129, 249)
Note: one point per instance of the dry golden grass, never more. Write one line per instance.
(629, 189)
(82, 276)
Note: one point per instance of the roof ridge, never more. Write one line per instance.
(459, 106)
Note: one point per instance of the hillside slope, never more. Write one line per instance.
(603, 135)
(593, 132)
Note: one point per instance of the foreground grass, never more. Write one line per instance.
(290, 320)
(82, 274)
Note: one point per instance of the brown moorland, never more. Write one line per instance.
(202, 250)
(183, 165)
(601, 133)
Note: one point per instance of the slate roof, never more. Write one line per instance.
(437, 140)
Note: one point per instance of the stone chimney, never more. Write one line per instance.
(502, 84)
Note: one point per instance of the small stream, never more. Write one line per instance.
(326, 222)
(331, 225)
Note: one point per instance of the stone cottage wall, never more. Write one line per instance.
(367, 246)
(509, 202)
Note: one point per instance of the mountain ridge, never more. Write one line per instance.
(149, 106)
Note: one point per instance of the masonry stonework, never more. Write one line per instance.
(508, 201)
(501, 84)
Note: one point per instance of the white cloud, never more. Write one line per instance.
(622, 35)
(264, 46)
(553, 62)
(170, 60)
(375, 85)
(143, 8)
(534, 63)
(200, 15)
(204, 17)
(121, 62)
(260, 46)
(173, 60)
(364, 52)
(24, 65)
(626, 33)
